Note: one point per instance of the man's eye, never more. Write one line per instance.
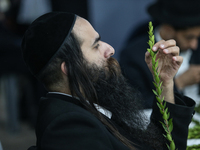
(189, 37)
(97, 46)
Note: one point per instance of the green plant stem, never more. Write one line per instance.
(167, 125)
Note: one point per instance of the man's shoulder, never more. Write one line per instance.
(54, 110)
(53, 106)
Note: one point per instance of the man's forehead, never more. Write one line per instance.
(195, 31)
(81, 25)
(84, 30)
(191, 29)
(78, 28)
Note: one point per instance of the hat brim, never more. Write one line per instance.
(161, 16)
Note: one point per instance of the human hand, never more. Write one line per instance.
(169, 60)
(189, 77)
(168, 65)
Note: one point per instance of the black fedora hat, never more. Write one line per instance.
(178, 13)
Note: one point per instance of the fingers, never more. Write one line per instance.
(164, 44)
(172, 50)
(178, 59)
(168, 47)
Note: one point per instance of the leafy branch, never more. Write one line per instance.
(167, 123)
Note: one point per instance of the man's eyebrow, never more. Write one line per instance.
(96, 40)
(190, 36)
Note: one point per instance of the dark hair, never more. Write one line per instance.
(176, 28)
(182, 28)
(79, 81)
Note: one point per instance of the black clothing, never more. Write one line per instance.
(64, 124)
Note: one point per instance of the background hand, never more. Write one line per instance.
(189, 77)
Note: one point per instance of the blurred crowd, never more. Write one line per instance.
(19, 90)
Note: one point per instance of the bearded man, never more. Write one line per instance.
(89, 105)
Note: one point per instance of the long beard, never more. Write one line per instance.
(115, 94)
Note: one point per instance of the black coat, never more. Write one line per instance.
(64, 124)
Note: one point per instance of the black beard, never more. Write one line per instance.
(116, 95)
(122, 100)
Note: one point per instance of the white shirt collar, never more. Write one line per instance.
(102, 110)
(60, 93)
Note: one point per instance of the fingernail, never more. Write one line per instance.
(166, 50)
(174, 58)
(154, 48)
(162, 46)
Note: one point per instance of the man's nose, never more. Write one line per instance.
(109, 51)
(194, 44)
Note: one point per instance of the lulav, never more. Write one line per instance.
(167, 123)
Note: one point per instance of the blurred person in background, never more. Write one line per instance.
(15, 17)
(172, 19)
(17, 83)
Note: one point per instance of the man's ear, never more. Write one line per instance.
(64, 68)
